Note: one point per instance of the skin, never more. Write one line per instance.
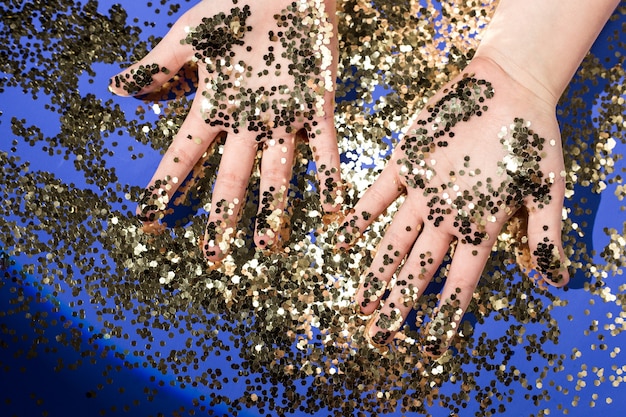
(421, 236)
(249, 39)
(526, 59)
(528, 55)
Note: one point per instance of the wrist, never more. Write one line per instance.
(541, 43)
(519, 94)
(534, 83)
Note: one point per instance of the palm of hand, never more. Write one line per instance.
(262, 82)
(478, 152)
(265, 72)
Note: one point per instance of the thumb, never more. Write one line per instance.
(158, 66)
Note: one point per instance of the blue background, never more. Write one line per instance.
(101, 384)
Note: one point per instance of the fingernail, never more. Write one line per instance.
(379, 340)
(117, 85)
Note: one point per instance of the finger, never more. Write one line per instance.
(323, 143)
(276, 168)
(189, 144)
(376, 199)
(544, 237)
(468, 262)
(228, 194)
(416, 273)
(323, 135)
(159, 65)
(396, 243)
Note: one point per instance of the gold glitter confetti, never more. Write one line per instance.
(86, 288)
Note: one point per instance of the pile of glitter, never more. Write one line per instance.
(273, 332)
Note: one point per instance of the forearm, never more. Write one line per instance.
(540, 43)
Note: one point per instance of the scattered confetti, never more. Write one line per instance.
(275, 331)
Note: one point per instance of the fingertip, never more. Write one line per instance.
(213, 264)
(140, 78)
(377, 337)
(546, 246)
(212, 253)
(370, 294)
(435, 342)
(332, 191)
(216, 242)
(210, 256)
(561, 282)
(266, 239)
(551, 263)
(153, 205)
(209, 251)
(365, 307)
(272, 223)
(561, 277)
(331, 207)
(121, 84)
(348, 233)
(262, 240)
(432, 349)
(116, 85)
